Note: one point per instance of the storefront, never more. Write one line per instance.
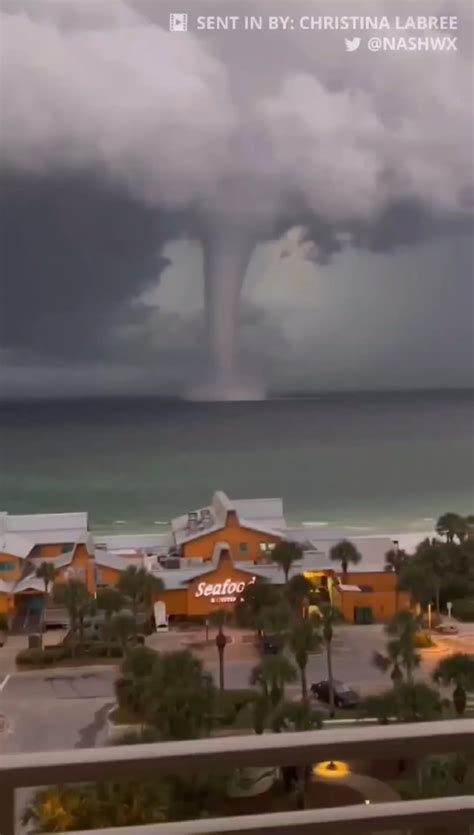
(203, 591)
(197, 591)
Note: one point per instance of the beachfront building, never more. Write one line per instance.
(25, 542)
(205, 558)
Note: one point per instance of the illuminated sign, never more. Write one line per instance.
(223, 592)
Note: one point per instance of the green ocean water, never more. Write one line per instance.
(375, 462)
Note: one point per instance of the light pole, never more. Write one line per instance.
(221, 641)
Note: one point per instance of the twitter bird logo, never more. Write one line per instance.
(352, 44)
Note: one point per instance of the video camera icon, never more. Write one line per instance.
(178, 22)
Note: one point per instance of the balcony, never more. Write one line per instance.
(454, 815)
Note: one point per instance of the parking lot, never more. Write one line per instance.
(66, 708)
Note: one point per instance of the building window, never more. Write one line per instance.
(243, 547)
(7, 566)
(267, 547)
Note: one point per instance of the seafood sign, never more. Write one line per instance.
(225, 592)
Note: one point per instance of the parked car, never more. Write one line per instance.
(447, 629)
(344, 696)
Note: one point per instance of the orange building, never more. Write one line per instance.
(193, 590)
(205, 560)
(25, 542)
(251, 528)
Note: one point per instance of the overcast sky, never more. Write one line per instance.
(355, 170)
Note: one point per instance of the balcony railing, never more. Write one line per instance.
(411, 740)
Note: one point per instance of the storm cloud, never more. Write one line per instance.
(119, 138)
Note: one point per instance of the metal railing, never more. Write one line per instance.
(152, 760)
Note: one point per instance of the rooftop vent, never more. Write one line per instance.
(171, 562)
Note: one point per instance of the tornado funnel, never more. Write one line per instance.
(226, 250)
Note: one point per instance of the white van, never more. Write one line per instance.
(161, 618)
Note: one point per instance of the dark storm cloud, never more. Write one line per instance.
(75, 253)
(119, 137)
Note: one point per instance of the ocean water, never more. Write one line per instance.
(373, 462)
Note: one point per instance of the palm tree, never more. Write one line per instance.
(140, 587)
(123, 626)
(276, 620)
(345, 552)
(390, 661)
(219, 618)
(285, 554)
(255, 597)
(452, 525)
(304, 638)
(260, 712)
(75, 597)
(109, 600)
(434, 557)
(181, 696)
(132, 686)
(272, 675)
(402, 628)
(396, 559)
(420, 582)
(297, 716)
(298, 592)
(48, 573)
(328, 617)
(457, 669)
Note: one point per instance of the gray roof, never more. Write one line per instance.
(31, 582)
(266, 512)
(63, 559)
(261, 515)
(45, 528)
(177, 578)
(14, 544)
(107, 559)
(136, 541)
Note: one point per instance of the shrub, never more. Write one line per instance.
(230, 703)
(100, 649)
(122, 716)
(53, 655)
(42, 657)
(463, 609)
(422, 641)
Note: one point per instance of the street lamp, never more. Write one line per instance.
(221, 641)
